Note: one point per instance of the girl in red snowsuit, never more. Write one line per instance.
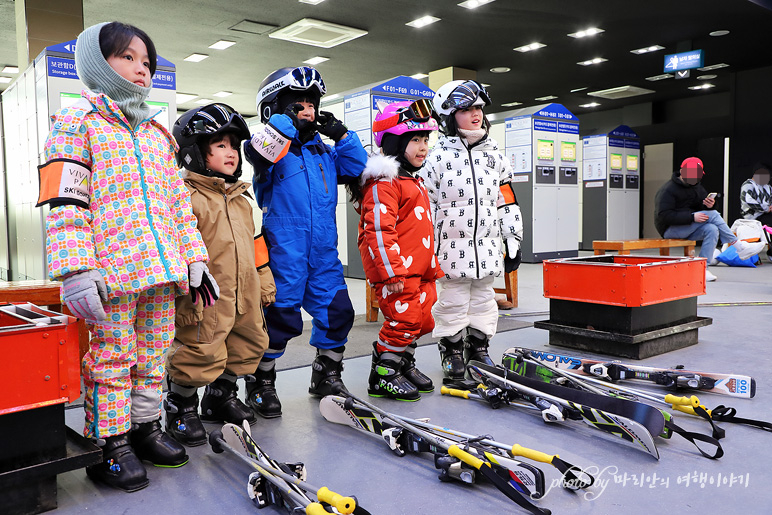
(396, 241)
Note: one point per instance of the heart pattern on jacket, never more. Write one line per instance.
(418, 212)
(426, 242)
(423, 297)
(385, 292)
(400, 307)
(407, 262)
(384, 210)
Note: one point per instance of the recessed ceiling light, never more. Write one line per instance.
(316, 60)
(717, 33)
(647, 49)
(512, 104)
(596, 60)
(548, 97)
(5, 80)
(11, 69)
(660, 77)
(528, 48)
(312, 2)
(195, 58)
(500, 69)
(592, 31)
(474, 4)
(203, 101)
(423, 21)
(713, 67)
(577, 90)
(222, 44)
(418, 76)
(707, 77)
(223, 94)
(318, 33)
(185, 97)
(332, 97)
(591, 104)
(702, 86)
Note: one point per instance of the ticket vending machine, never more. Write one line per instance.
(359, 109)
(49, 83)
(611, 185)
(541, 144)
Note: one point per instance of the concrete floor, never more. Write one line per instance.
(627, 481)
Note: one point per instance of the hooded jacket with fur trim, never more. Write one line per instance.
(396, 232)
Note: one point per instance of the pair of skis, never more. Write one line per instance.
(458, 455)
(279, 484)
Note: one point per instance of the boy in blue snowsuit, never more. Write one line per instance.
(296, 178)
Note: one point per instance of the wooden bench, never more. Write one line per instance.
(371, 296)
(42, 293)
(625, 246)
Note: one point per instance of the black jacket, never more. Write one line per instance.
(676, 203)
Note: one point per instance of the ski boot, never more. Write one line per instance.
(476, 349)
(120, 467)
(386, 379)
(415, 376)
(261, 393)
(325, 376)
(452, 356)
(182, 420)
(220, 404)
(151, 444)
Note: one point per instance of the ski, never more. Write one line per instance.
(455, 460)
(677, 378)
(635, 425)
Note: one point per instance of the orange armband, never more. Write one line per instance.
(261, 252)
(64, 181)
(508, 193)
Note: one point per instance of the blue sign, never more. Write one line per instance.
(61, 67)
(616, 142)
(68, 47)
(623, 131)
(632, 143)
(556, 111)
(545, 125)
(405, 86)
(568, 128)
(165, 80)
(684, 61)
(380, 102)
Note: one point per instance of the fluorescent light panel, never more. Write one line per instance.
(203, 101)
(592, 31)
(11, 69)
(195, 58)
(474, 4)
(311, 2)
(548, 97)
(588, 62)
(316, 60)
(578, 90)
(528, 48)
(647, 49)
(660, 77)
(591, 104)
(512, 104)
(223, 94)
(701, 86)
(500, 69)
(423, 21)
(713, 67)
(185, 97)
(418, 76)
(222, 44)
(331, 97)
(5, 80)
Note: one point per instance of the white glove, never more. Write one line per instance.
(202, 284)
(83, 294)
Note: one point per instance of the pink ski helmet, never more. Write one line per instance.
(404, 116)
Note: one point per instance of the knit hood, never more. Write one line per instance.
(98, 76)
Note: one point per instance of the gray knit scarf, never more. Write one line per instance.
(99, 77)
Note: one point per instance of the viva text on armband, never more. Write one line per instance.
(64, 182)
(271, 144)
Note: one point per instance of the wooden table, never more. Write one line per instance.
(625, 246)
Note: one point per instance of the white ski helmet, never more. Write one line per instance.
(460, 94)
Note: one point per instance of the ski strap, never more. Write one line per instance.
(726, 414)
(694, 437)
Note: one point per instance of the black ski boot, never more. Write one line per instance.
(220, 404)
(261, 393)
(476, 349)
(120, 467)
(386, 379)
(151, 444)
(452, 356)
(415, 376)
(182, 421)
(325, 376)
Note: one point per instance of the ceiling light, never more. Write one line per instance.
(718, 33)
(316, 60)
(713, 67)
(474, 4)
(418, 76)
(331, 97)
(312, 2)
(222, 44)
(223, 94)
(591, 104)
(203, 101)
(512, 104)
(577, 90)
(596, 60)
(707, 77)
(195, 58)
(500, 69)
(323, 34)
(528, 48)
(620, 92)
(702, 86)
(592, 31)
(11, 69)
(5, 80)
(647, 49)
(548, 97)
(185, 97)
(423, 21)
(660, 77)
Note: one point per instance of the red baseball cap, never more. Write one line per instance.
(692, 161)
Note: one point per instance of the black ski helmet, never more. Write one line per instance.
(298, 79)
(206, 122)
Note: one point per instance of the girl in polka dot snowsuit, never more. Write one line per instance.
(140, 233)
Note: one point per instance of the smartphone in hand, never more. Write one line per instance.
(712, 195)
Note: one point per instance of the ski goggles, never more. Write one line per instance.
(420, 111)
(301, 78)
(214, 118)
(465, 95)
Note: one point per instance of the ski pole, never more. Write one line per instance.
(483, 467)
(279, 478)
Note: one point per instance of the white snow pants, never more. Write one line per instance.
(465, 303)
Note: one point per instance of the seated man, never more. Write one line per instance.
(683, 210)
(756, 195)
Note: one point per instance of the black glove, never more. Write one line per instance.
(330, 126)
(292, 111)
(512, 264)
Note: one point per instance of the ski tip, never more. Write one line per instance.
(753, 387)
